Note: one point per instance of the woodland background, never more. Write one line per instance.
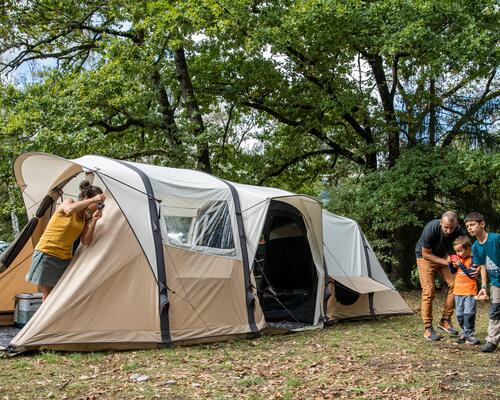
(386, 110)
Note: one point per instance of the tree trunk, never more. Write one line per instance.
(387, 98)
(193, 110)
(15, 223)
(432, 113)
(405, 239)
(166, 111)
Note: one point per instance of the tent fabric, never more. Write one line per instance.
(367, 305)
(172, 257)
(201, 285)
(361, 284)
(342, 260)
(12, 279)
(356, 267)
(107, 295)
(18, 244)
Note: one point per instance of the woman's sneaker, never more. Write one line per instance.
(472, 341)
(446, 326)
(430, 334)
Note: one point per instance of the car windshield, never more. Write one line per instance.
(3, 246)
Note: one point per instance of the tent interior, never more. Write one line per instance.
(284, 270)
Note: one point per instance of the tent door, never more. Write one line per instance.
(284, 269)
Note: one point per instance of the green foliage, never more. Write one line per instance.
(278, 93)
(425, 182)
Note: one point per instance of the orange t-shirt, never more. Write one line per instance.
(465, 286)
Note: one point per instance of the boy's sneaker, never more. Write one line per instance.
(446, 326)
(461, 339)
(430, 334)
(472, 341)
(488, 347)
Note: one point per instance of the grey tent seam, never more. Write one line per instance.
(160, 259)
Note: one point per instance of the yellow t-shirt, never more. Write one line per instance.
(61, 232)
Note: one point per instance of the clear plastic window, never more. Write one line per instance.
(202, 227)
(178, 229)
(213, 226)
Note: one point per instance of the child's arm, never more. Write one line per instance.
(470, 273)
(484, 281)
(452, 268)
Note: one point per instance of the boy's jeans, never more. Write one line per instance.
(465, 307)
(427, 271)
(494, 321)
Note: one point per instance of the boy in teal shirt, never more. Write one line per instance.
(486, 254)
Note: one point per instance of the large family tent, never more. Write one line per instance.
(172, 258)
(359, 285)
(179, 256)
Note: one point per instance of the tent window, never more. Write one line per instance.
(213, 226)
(203, 227)
(178, 229)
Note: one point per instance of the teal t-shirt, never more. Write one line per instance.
(488, 254)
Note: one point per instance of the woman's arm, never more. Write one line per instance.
(69, 206)
(88, 229)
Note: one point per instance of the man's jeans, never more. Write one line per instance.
(427, 271)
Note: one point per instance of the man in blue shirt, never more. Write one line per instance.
(486, 254)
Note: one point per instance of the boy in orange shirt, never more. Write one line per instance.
(465, 289)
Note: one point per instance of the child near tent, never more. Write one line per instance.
(486, 254)
(70, 221)
(465, 288)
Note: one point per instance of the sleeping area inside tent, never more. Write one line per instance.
(284, 269)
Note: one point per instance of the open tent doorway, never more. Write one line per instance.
(286, 276)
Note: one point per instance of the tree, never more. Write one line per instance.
(360, 83)
(122, 68)
(281, 93)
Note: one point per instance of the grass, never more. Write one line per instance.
(381, 359)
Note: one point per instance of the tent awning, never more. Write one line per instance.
(361, 284)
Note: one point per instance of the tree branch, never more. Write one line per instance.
(326, 86)
(313, 131)
(109, 31)
(166, 110)
(108, 128)
(270, 111)
(455, 130)
(377, 66)
(293, 161)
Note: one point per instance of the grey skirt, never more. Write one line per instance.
(45, 269)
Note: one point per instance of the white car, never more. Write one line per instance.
(3, 246)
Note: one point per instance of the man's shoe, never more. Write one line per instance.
(461, 339)
(446, 326)
(472, 341)
(488, 347)
(430, 334)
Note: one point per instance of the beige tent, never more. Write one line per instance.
(359, 285)
(175, 258)
(12, 282)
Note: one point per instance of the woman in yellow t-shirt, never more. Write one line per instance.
(70, 221)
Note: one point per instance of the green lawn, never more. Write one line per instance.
(382, 359)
